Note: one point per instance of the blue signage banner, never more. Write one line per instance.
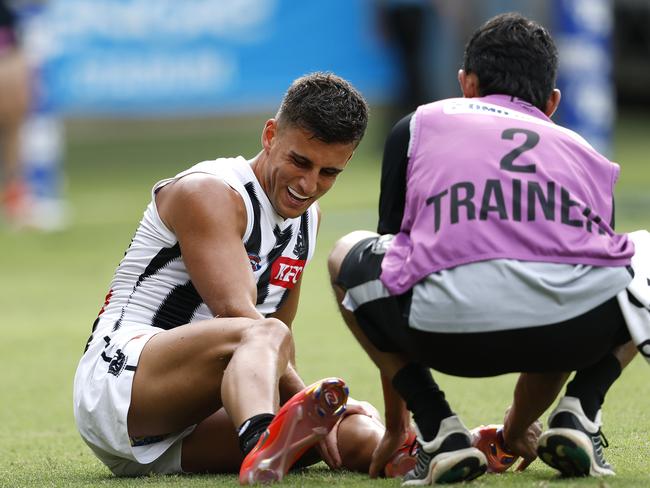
(167, 57)
(583, 33)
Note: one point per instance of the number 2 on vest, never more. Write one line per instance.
(507, 161)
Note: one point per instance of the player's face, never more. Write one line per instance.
(295, 169)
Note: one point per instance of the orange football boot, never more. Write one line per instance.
(489, 440)
(301, 422)
(404, 459)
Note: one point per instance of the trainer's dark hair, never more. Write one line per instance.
(515, 56)
(327, 106)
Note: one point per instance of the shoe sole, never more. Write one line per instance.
(454, 467)
(570, 452)
(306, 422)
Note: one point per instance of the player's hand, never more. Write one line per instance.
(328, 448)
(362, 408)
(523, 444)
(388, 445)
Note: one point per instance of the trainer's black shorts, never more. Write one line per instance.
(564, 346)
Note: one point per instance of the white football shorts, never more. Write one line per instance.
(102, 396)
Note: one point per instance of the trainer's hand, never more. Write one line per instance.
(522, 443)
(388, 445)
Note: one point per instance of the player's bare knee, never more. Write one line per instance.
(272, 333)
(342, 248)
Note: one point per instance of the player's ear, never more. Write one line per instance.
(268, 133)
(468, 84)
(553, 102)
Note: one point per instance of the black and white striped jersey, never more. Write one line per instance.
(151, 286)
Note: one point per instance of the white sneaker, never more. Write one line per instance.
(449, 458)
(573, 444)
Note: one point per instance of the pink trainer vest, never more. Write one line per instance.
(494, 178)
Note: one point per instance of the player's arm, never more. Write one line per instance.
(208, 218)
(287, 312)
(291, 382)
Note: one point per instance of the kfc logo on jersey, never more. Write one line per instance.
(285, 272)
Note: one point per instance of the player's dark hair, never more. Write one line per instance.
(327, 106)
(512, 55)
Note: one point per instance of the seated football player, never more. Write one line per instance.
(192, 354)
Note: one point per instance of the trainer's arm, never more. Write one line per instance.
(392, 194)
(534, 393)
(397, 428)
(209, 219)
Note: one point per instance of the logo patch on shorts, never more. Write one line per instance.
(285, 272)
(117, 364)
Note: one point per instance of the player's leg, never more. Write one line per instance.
(186, 374)
(304, 420)
(213, 447)
(359, 435)
(446, 454)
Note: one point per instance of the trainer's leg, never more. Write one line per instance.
(573, 444)
(590, 385)
(449, 456)
(388, 363)
(186, 374)
(412, 381)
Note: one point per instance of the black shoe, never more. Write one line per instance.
(449, 458)
(574, 444)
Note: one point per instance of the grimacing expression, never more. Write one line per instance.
(297, 168)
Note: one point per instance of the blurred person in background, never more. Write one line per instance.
(14, 106)
(192, 353)
(404, 24)
(495, 253)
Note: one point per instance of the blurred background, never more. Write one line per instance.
(96, 67)
(109, 96)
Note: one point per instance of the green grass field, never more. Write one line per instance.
(53, 285)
